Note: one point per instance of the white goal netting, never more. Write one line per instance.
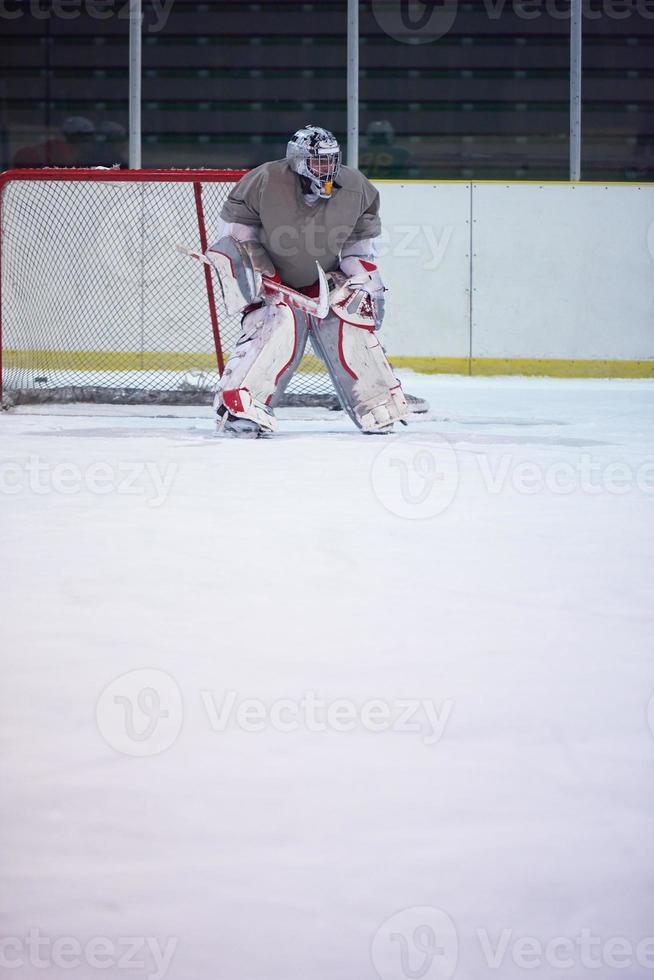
(97, 303)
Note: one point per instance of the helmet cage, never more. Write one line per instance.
(329, 157)
(314, 153)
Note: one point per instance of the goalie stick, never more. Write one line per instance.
(318, 307)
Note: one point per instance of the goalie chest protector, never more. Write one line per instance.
(295, 233)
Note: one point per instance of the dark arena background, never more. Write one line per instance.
(480, 91)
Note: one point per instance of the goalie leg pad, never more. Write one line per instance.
(268, 343)
(368, 390)
(284, 377)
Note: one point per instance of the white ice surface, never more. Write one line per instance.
(310, 562)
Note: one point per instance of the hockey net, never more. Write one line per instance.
(96, 303)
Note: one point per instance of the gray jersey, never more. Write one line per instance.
(296, 234)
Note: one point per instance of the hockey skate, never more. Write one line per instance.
(386, 431)
(234, 427)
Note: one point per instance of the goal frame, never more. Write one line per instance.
(115, 175)
(319, 397)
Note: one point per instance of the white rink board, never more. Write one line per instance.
(425, 263)
(558, 271)
(563, 271)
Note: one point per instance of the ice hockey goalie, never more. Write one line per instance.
(296, 255)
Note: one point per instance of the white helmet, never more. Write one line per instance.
(315, 155)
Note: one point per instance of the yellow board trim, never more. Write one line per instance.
(527, 366)
(560, 368)
(44, 360)
(433, 365)
(115, 360)
(514, 183)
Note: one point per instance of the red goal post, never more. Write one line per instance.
(96, 303)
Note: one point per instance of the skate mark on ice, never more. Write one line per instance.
(149, 433)
(500, 421)
(457, 438)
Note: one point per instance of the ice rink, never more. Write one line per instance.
(328, 706)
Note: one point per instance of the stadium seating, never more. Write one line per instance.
(225, 82)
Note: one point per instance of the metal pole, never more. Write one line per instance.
(135, 18)
(353, 83)
(575, 89)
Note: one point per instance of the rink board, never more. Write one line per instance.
(424, 260)
(529, 278)
(562, 271)
(483, 278)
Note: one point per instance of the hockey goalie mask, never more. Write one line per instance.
(315, 155)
